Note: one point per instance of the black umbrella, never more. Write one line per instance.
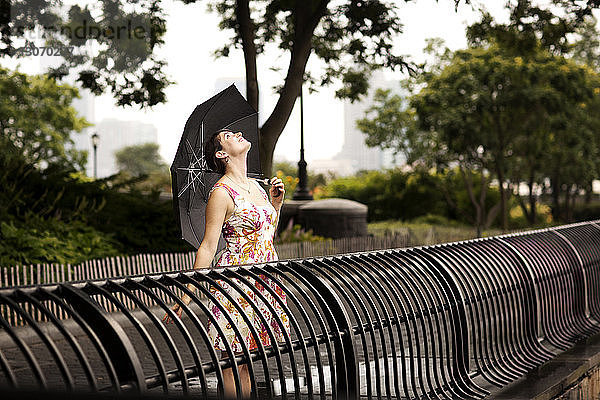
(191, 178)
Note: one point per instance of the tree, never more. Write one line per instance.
(564, 30)
(350, 37)
(37, 119)
(141, 159)
(486, 110)
(142, 168)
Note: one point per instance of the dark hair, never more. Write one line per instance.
(211, 146)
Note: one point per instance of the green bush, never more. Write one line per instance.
(297, 234)
(391, 194)
(57, 205)
(586, 212)
(36, 241)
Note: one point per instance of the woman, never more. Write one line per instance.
(240, 209)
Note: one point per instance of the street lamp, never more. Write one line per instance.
(95, 141)
(301, 192)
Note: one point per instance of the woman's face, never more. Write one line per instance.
(233, 143)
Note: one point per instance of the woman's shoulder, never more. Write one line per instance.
(224, 189)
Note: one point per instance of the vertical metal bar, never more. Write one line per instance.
(127, 364)
(339, 320)
(71, 340)
(137, 301)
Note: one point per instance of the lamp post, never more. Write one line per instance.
(95, 141)
(301, 192)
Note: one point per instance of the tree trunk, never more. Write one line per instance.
(568, 203)
(478, 208)
(556, 210)
(573, 202)
(532, 217)
(246, 32)
(306, 21)
(503, 210)
(588, 191)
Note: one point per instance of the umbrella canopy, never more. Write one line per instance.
(191, 178)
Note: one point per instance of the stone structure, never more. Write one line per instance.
(333, 218)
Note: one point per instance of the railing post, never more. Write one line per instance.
(116, 342)
(336, 315)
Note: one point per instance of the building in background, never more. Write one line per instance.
(355, 154)
(85, 107)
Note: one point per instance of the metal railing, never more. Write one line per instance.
(151, 263)
(441, 322)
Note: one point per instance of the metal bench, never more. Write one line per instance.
(445, 322)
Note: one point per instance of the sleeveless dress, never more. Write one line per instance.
(248, 235)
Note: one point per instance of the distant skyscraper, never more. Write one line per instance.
(85, 107)
(354, 150)
(114, 135)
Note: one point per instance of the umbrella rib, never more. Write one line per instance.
(194, 173)
(240, 119)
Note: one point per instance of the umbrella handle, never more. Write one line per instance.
(267, 182)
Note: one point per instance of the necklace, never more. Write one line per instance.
(239, 185)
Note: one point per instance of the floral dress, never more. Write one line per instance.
(248, 235)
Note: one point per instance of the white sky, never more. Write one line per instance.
(192, 36)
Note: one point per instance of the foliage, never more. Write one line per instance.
(112, 44)
(35, 240)
(519, 220)
(141, 223)
(296, 233)
(391, 194)
(37, 119)
(137, 222)
(485, 110)
(140, 159)
(287, 172)
(142, 168)
(586, 50)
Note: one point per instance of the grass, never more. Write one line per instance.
(427, 233)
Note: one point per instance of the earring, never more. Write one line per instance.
(227, 159)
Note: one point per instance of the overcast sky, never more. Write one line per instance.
(192, 36)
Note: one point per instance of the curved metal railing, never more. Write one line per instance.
(441, 322)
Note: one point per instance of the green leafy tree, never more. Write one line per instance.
(350, 38)
(140, 159)
(562, 30)
(142, 168)
(489, 111)
(37, 120)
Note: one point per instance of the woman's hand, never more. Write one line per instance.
(178, 311)
(277, 192)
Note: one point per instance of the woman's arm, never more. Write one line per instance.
(219, 205)
(277, 192)
(217, 208)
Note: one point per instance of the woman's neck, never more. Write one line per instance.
(236, 170)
